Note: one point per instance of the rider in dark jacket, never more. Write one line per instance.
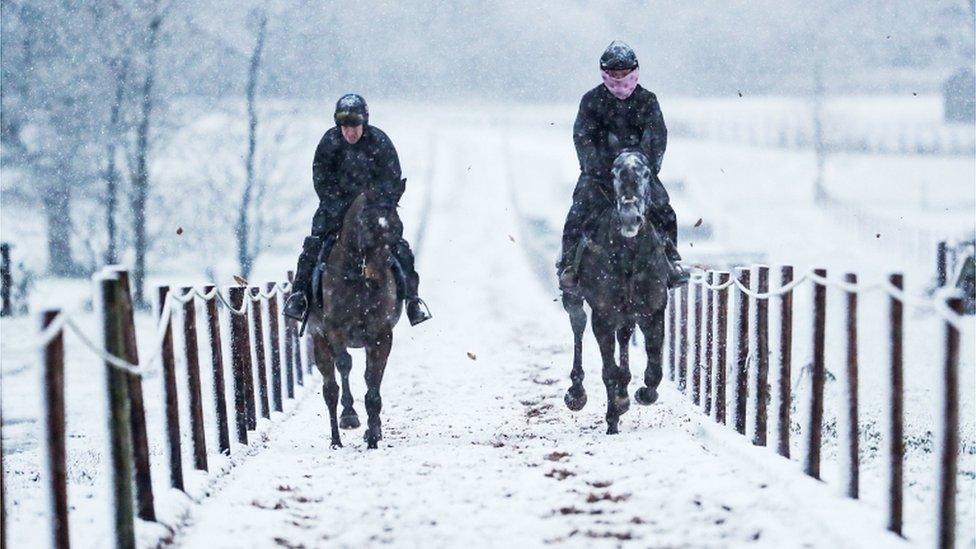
(616, 115)
(352, 156)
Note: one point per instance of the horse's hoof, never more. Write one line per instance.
(612, 429)
(336, 444)
(349, 421)
(623, 404)
(372, 437)
(645, 396)
(575, 402)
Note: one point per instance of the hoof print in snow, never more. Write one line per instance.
(557, 456)
(606, 496)
(600, 483)
(560, 474)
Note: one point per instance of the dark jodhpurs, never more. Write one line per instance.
(324, 235)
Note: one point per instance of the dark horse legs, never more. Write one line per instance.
(575, 397)
(653, 328)
(349, 419)
(623, 377)
(325, 361)
(606, 339)
(377, 353)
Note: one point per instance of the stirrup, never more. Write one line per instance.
(296, 308)
(421, 308)
(677, 276)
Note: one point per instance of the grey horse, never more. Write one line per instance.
(623, 277)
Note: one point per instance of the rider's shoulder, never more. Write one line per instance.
(378, 134)
(332, 136)
(595, 94)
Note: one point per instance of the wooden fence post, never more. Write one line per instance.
(258, 330)
(696, 330)
(740, 333)
(721, 366)
(896, 442)
(761, 390)
(291, 331)
(192, 355)
(217, 363)
(853, 431)
(683, 338)
(275, 349)
(145, 507)
(54, 431)
(949, 451)
(299, 366)
(785, 363)
(309, 353)
(672, 329)
(6, 280)
(240, 356)
(941, 264)
(708, 339)
(171, 400)
(814, 429)
(120, 434)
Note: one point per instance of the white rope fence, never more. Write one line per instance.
(938, 304)
(66, 319)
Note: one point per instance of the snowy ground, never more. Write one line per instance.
(473, 447)
(481, 451)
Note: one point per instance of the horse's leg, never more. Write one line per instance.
(325, 361)
(653, 328)
(377, 353)
(623, 380)
(605, 338)
(575, 397)
(349, 419)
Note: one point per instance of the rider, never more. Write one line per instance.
(616, 115)
(351, 156)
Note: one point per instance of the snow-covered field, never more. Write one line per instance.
(473, 449)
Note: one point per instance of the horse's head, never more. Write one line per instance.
(379, 225)
(632, 191)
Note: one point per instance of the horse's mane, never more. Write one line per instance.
(349, 221)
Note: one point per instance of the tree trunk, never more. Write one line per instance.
(140, 183)
(120, 71)
(57, 210)
(245, 254)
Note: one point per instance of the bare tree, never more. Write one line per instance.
(246, 249)
(140, 167)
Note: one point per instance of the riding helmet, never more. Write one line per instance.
(618, 56)
(351, 110)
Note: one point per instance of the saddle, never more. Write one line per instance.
(319, 271)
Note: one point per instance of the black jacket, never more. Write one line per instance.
(340, 172)
(606, 125)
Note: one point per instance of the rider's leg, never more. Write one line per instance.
(409, 280)
(584, 201)
(296, 307)
(665, 218)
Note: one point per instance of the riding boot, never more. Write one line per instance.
(677, 275)
(296, 307)
(566, 270)
(408, 282)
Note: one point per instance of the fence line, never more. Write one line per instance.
(130, 466)
(745, 354)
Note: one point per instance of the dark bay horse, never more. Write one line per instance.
(623, 277)
(359, 308)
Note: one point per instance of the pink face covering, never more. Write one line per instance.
(621, 88)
